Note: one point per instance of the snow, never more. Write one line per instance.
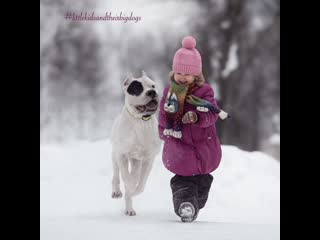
(233, 62)
(275, 139)
(76, 203)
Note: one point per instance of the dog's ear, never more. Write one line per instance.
(126, 82)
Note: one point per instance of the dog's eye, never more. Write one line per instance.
(135, 88)
(153, 86)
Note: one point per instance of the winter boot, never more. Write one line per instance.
(184, 196)
(204, 185)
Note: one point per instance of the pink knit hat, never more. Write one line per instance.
(187, 59)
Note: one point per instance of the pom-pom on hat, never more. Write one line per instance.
(187, 60)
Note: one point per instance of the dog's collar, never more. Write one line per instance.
(144, 117)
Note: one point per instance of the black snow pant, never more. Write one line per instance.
(193, 189)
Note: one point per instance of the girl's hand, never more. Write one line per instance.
(189, 117)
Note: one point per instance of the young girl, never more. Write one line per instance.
(191, 147)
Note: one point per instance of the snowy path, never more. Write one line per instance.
(76, 203)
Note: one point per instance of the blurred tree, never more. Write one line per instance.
(239, 43)
(71, 71)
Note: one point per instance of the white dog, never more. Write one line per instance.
(134, 137)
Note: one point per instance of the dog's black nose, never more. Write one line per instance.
(151, 93)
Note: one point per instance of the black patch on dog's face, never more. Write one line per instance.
(135, 88)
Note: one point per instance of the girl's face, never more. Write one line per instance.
(183, 79)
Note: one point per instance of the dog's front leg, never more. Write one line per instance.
(145, 171)
(116, 193)
(124, 170)
(129, 209)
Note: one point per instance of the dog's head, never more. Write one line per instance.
(141, 94)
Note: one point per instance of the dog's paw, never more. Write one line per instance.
(202, 109)
(168, 132)
(177, 134)
(116, 194)
(130, 212)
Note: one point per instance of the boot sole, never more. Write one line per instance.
(187, 215)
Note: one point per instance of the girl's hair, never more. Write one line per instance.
(199, 80)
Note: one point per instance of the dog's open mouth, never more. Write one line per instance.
(149, 107)
(152, 105)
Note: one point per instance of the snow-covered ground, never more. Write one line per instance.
(76, 203)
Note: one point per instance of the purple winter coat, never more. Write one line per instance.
(199, 149)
